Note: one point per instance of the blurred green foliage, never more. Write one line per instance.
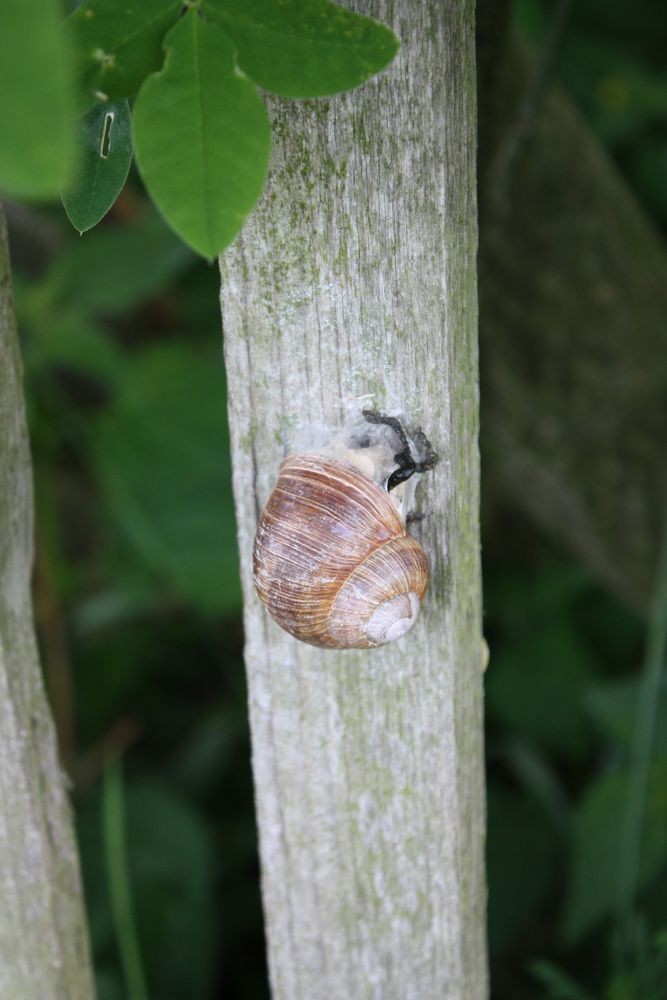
(36, 96)
(138, 605)
(612, 63)
(138, 568)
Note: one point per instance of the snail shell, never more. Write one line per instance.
(332, 561)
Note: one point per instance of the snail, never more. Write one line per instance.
(333, 562)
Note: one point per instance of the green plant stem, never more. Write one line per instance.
(119, 883)
(645, 724)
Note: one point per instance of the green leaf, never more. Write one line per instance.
(116, 45)
(114, 268)
(102, 169)
(36, 102)
(304, 48)
(202, 137)
(598, 832)
(162, 454)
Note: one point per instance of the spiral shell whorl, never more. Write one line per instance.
(380, 600)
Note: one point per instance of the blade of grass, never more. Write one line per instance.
(645, 724)
(113, 805)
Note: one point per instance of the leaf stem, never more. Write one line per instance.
(113, 805)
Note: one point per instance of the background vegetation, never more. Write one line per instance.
(138, 609)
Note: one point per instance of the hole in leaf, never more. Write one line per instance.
(105, 138)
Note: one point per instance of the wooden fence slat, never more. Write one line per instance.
(356, 275)
(43, 936)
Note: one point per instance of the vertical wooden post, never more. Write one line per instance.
(357, 275)
(43, 938)
(586, 268)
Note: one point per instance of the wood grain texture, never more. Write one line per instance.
(356, 275)
(43, 940)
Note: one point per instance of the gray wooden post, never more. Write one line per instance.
(355, 276)
(43, 938)
(575, 430)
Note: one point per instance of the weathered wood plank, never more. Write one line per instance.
(573, 292)
(356, 275)
(43, 940)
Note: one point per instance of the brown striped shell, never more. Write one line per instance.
(332, 561)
